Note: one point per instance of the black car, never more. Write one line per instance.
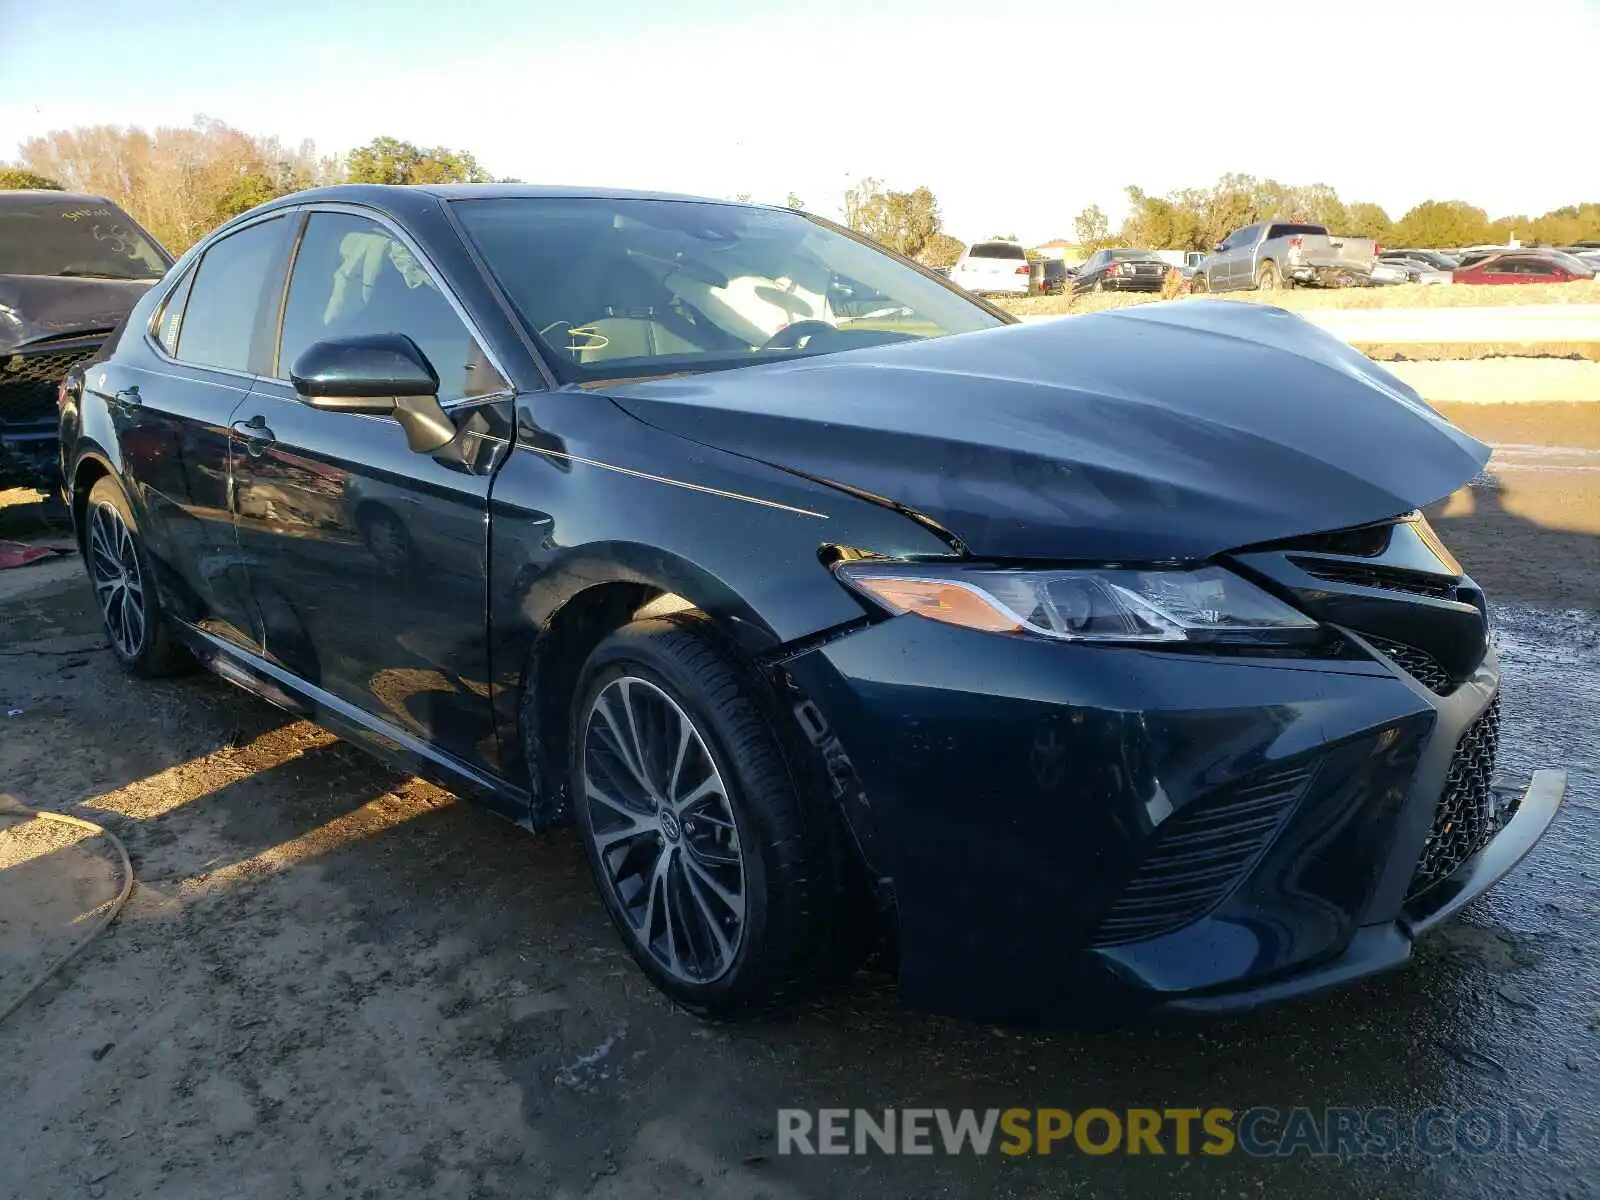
(71, 266)
(1100, 676)
(1120, 270)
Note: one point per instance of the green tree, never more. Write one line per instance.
(19, 178)
(1317, 204)
(1160, 223)
(1368, 220)
(941, 250)
(902, 221)
(1442, 223)
(1092, 229)
(1562, 226)
(389, 160)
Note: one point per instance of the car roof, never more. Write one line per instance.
(19, 195)
(381, 193)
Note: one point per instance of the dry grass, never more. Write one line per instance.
(1401, 296)
(1437, 351)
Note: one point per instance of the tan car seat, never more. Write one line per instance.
(638, 321)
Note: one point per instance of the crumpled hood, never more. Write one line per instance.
(47, 306)
(1172, 431)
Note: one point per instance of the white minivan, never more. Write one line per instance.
(992, 267)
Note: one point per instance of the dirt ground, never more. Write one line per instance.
(333, 981)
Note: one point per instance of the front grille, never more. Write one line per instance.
(1469, 812)
(28, 380)
(1419, 664)
(1200, 855)
(1394, 579)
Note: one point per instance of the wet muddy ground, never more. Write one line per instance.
(333, 981)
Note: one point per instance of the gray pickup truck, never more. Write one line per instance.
(1274, 254)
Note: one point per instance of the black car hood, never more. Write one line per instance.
(1169, 432)
(33, 307)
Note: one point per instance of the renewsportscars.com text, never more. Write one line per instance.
(1259, 1132)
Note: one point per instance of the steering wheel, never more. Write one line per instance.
(788, 338)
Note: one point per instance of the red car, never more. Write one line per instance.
(1545, 267)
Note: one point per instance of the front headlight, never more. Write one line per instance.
(1208, 605)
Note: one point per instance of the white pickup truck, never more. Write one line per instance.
(1274, 254)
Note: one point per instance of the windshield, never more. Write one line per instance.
(615, 287)
(1009, 250)
(91, 239)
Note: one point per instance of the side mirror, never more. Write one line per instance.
(380, 374)
(1217, 249)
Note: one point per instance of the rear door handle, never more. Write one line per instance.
(255, 433)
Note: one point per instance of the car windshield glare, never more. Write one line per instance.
(74, 237)
(1009, 250)
(632, 287)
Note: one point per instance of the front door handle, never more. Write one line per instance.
(128, 397)
(255, 433)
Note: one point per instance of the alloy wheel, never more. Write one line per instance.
(663, 830)
(118, 582)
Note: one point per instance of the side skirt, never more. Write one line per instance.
(388, 743)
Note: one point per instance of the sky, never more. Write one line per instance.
(1016, 113)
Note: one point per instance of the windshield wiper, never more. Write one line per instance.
(76, 274)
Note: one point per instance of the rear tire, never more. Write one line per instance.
(723, 879)
(1268, 277)
(125, 586)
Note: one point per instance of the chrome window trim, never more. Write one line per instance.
(433, 273)
(201, 251)
(159, 312)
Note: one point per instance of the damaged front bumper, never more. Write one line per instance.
(29, 377)
(1070, 833)
(1384, 947)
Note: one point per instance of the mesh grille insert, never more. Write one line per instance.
(28, 381)
(1200, 855)
(1419, 664)
(1469, 812)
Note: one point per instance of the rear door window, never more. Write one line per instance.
(222, 315)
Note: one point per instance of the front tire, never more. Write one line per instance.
(1198, 285)
(125, 586)
(723, 881)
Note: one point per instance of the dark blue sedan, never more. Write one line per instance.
(1099, 665)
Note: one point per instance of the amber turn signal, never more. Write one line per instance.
(939, 600)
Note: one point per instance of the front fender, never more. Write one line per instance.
(591, 498)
